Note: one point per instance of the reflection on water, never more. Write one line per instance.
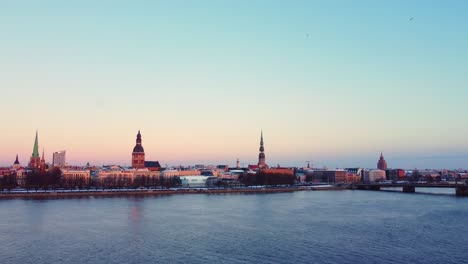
(301, 227)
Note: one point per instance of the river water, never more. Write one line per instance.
(300, 227)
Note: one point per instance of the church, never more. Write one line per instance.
(138, 157)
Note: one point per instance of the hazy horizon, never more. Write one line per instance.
(332, 82)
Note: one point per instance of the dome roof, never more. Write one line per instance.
(138, 148)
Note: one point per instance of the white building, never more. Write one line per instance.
(175, 173)
(376, 175)
(114, 174)
(58, 158)
(76, 174)
(194, 181)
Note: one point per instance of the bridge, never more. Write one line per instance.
(461, 189)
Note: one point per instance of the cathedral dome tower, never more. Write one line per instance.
(138, 154)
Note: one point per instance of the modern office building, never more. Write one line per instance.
(58, 158)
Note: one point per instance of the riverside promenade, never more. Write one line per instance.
(54, 194)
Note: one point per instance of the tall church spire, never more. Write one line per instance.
(35, 153)
(261, 156)
(35, 159)
(261, 142)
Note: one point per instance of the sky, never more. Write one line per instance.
(331, 82)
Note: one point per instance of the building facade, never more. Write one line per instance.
(377, 175)
(76, 176)
(58, 158)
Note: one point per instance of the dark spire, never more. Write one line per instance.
(138, 147)
(261, 142)
(16, 161)
(43, 156)
(138, 140)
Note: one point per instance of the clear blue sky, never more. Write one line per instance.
(336, 82)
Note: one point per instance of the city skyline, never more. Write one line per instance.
(331, 82)
(187, 161)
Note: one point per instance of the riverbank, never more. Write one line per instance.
(110, 193)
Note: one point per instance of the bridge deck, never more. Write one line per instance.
(383, 185)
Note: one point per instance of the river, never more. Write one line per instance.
(300, 227)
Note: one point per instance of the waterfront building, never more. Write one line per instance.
(146, 173)
(35, 160)
(377, 175)
(194, 181)
(261, 156)
(179, 173)
(354, 175)
(115, 175)
(276, 176)
(58, 158)
(76, 175)
(381, 164)
(395, 174)
(328, 176)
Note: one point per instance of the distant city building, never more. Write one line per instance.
(261, 156)
(276, 176)
(16, 164)
(395, 174)
(35, 160)
(42, 164)
(377, 175)
(381, 164)
(84, 175)
(328, 176)
(195, 181)
(178, 173)
(354, 174)
(153, 165)
(138, 154)
(58, 158)
(222, 168)
(115, 175)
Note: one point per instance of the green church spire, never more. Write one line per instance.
(35, 153)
